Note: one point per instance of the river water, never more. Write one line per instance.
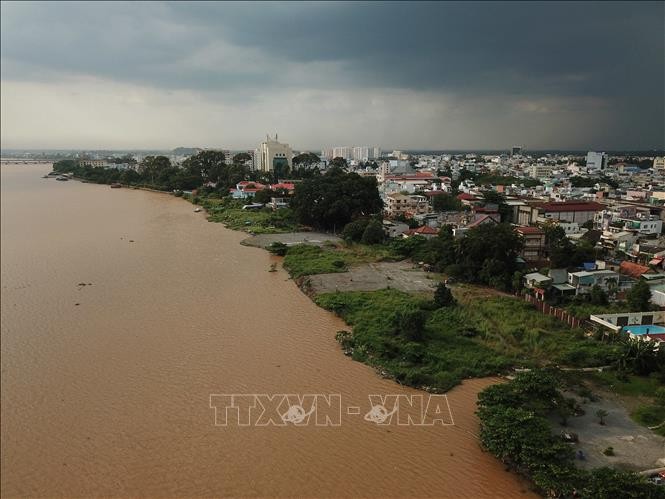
(106, 387)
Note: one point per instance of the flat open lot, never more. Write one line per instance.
(636, 448)
(290, 238)
(372, 276)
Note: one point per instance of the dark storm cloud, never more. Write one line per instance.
(611, 54)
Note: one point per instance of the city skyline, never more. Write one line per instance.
(444, 76)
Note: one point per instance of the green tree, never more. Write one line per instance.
(241, 158)
(353, 231)
(410, 323)
(597, 296)
(487, 254)
(443, 296)
(601, 414)
(152, 166)
(339, 162)
(446, 202)
(639, 296)
(373, 233)
(335, 199)
(306, 160)
(607, 482)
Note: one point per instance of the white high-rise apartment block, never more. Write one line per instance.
(345, 152)
(271, 154)
(596, 161)
(376, 153)
(327, 153)
(361, 153)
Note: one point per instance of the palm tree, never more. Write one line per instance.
(601, 414)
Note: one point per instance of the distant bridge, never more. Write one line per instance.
(24, 161)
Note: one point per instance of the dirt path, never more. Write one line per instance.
(374, 276)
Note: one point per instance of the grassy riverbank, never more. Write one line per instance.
(262, 221)
(420, 345)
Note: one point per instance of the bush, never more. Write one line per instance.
(277, 248)
(353, 231)
(373, 233)
(305, 259)
(443, 297)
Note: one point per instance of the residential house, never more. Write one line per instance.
(246, 189)
(583, 281)
(408, 205)
(570, 211)
(425, 231)
(534, 243)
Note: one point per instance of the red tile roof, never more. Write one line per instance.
(466, 197)
(283, 185)
(433, 193)
(563, 206)
(657, 337)
(632, 269)
(423, 231)
(529, 230)
(480, 221)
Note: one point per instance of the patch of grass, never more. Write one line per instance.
(629, 385)
(650, 416)
(263, 221)
(514, 328)
(584, 310)
(477, 338)
(446, 353)
(364, 253)
(305, 259)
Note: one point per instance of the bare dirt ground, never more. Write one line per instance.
(636, 448)
(291, 238)
(373, 276)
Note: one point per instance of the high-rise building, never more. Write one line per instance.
(516, 150)
(596, 161)
(327, 153)
(345, 152)
(272, 155)
(361, 153)
(376, 153)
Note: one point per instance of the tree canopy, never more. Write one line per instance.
(446, 202)
(639, 296)
(335, 199)
(306, 159)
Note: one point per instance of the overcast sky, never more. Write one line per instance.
(399, 75)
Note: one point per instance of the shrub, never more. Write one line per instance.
(443, 297)
(353, 231)
(373, 233)
(277, 248)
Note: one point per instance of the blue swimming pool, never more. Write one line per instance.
(650, 329)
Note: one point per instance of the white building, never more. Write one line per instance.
(596, 161)
(361, 153)
(540, 170)
(271, 154)
(659, 163)
(345, 152)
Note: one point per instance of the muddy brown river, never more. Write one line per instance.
(106, 387)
